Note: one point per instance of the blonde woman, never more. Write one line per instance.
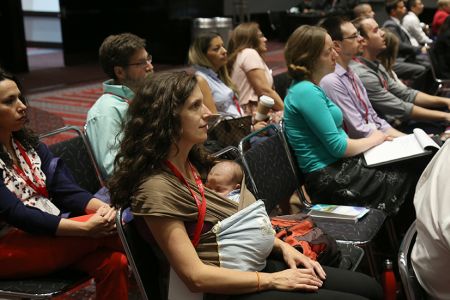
(248, 70)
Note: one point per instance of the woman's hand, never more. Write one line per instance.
(102, 223)
(294, 279)
(293, 258)
(259, 125)
(377, 137)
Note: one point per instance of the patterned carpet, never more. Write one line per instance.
(71, 105)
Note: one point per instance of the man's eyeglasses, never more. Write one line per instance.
(143, 63)
(353, 36)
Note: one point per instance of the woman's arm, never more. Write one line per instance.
(199, 277)
(208, 99)
(258, 81)
(357, 146)
(35, 221)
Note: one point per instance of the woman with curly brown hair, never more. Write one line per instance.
(157, 168)
(331, 161)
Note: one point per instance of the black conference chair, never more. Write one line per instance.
(272, 176)
(77, 155)
(411, 286)
(442, 84)
(45, 287)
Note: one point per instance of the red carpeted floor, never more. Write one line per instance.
(69, 105)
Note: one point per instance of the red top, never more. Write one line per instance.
(438, 20)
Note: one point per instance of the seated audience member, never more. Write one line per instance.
(363, 10)
(409, 46)
(345, 88)
(388, 56)
(391, 100)
(158, 169)
(248, 70)
(124, 59)
(34, 239)
(440, 15)
(334, 170)
(225, 178)
(441, 50)
(431, 252)
(412, 62)
(209, 57)
(412, 23)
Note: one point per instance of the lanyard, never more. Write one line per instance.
(201, 205)
(358, 95)
(236, 102)
(41, 188)
(123, 98)
(381, 79)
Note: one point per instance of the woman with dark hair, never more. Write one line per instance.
(248, 70)
(159, 167)
(331, 161)
(35, 188)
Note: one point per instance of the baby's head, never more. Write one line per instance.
(225, 177)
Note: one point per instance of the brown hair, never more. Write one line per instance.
(358, 25)
(116, 50)
(153, 125)
(243, 36)
(302, 50)
(389, 55)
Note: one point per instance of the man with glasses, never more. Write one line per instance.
(126, 62)
(345, 88)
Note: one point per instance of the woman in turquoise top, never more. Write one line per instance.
(333, 168)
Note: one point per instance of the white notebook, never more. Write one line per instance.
(412, 145)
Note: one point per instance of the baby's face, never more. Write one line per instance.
(220, 181)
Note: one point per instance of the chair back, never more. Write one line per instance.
(77, 156)
(142, 259)
(443, 84)
(227, 153)
(411, 285)
(270, 174)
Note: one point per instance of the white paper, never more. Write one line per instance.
(400, 147)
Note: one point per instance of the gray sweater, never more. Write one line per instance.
(392, 100)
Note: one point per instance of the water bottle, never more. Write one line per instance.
(389, 281)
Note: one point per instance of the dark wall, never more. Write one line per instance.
(13, 56)
(166, 25)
